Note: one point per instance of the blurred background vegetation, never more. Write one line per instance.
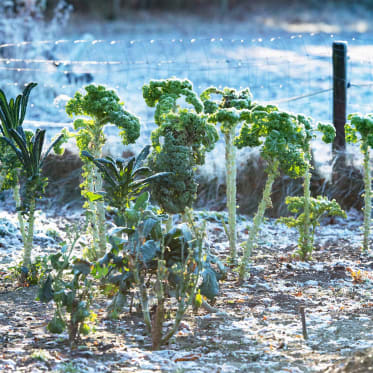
(116, 8)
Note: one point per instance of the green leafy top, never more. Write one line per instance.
(104, 107)
(124, 179)
(362, 125)
(187, 129)
(12, 113)
(163, 94)
(227, 110)
(319, 207)
(283, 138)
(178, 190)
(28, 149)
(186, 137)
(328, 132)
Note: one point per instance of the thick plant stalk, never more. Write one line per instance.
(97, 208)
(2, 178)
(178, 318)
(158, 317)
(30, 235)
(145, 305)
(157, 324)
(183, 303)
(92, 216)
(368, 196)
(231, 174)
(143, 295)
(101, 221)
(169, 223)
(258, 218)
(21, 222)
(307, 249)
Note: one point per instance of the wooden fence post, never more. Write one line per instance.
(339, 108)
(339, 93)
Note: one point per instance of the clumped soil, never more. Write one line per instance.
(257, 327)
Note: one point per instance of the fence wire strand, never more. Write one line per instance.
(293, 71)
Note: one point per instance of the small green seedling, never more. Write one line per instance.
(103, 106)
(319, 208)
(69, 284)
(360, 129)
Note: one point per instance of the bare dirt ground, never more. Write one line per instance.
(257, 328)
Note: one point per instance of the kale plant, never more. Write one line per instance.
(158, 266)
(124, 180)
(227, 112)
(180, 142)
(319, 208)
(29, 153)
(103, 107)
(21, 157)
(306, 221)
(12, 115)
(282, 140)
(360, 129)
(69, 284)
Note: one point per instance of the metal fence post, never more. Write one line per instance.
(339, 94)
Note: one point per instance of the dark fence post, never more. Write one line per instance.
(339, 109)
(339, 94)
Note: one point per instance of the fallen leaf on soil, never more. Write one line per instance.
(191, 357)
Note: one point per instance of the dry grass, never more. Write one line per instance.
(346, 186)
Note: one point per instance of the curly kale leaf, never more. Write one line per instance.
(177, 191)
(328, 132)
(163, 94)
(226, 110)
(282, 137)
(362, 125)
(190, 130)
(104, 107)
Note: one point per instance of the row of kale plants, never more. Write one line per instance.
(165, 265)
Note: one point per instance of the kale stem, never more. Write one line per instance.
(2, 177)
(258, 219)
(231, 174)
(169, 223)
(30, 234)
(307, 243)
(368, 195)
(21, 222)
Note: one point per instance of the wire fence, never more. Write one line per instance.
(292, 71)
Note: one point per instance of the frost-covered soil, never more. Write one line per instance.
(257, 328)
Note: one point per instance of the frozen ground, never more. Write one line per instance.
(257, 328)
